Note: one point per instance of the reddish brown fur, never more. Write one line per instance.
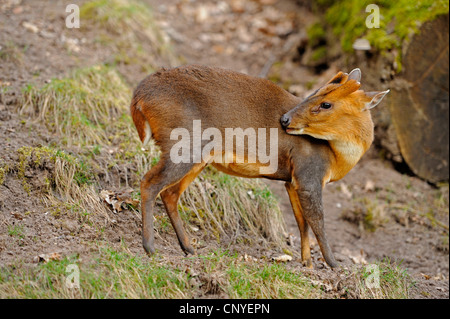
(222, 99)
(138, 119)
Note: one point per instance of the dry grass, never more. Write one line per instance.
(68, 183)
(110, 273)
(240, 209)
(81, 108)
(394, 282)
(115, 272)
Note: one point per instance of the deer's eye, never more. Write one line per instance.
(325, 106)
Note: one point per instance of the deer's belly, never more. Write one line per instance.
(237, 169)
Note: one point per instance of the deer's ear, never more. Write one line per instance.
(339, 78)
(374, 99)
(355, 75)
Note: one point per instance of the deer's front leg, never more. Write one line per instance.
(310, 195)
(302, 225)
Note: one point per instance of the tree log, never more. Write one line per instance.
(419, 102)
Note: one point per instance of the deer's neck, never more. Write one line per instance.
(347, 152)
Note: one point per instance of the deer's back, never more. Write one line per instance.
(220, 98)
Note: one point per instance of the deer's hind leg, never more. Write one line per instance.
(161, 177)
(170, 197)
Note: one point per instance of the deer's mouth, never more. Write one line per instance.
(295, 130)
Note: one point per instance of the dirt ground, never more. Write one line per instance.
(408, 218)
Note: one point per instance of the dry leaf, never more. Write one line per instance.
(118, 200)
(427, 277)
(355, 257)
(126, 197)
(249, 258)
(47, 257)
(30, 27)
(370, 186)
(359, 260)
(325, 286)
(282, 258)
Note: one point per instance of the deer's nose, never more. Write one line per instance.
(285, 120)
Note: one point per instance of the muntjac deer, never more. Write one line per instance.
(316, 140)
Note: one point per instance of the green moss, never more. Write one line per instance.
(29, 156)
(398, 21)
(319, 54)
(4, 169)
(316, 33)
(368, 221)
(35, 157)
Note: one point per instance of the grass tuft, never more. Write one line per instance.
(128, 25)
(81, 108)
(115, 272)
(237, 208)
(69, 184)
(394, 281)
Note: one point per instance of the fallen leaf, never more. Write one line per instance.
(125, 197)
(4, 83)
(282, 258)
(118, 200)
(17, 215)
(370, 186)
(249, 258)
(427, 277)
(355, 257)
(30, 27)
(47, 257)
(325, 286)
(359, 260)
